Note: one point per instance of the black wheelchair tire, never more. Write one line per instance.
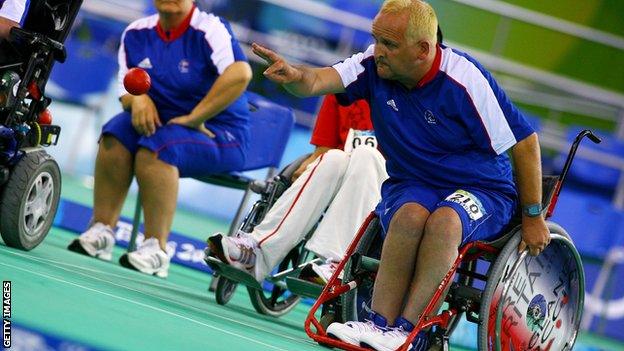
(495, 270)
(348, 309)
(225, 290)
(263, 304)
(35, 166)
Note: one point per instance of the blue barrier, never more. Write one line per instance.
(28, 339)
(589, 173)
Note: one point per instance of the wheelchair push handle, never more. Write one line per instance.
(577, 141)
(568, 163)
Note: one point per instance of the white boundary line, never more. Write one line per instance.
(120, 276)
(142, 305)
(42, 260)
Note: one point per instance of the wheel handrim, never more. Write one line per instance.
(38, 204)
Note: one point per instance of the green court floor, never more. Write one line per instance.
(106, 306)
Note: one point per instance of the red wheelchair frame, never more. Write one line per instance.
(467, 254)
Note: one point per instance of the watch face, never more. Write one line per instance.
(533, 210)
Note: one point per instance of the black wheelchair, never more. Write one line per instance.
(282, 290)
(519, 302)
(30, 179)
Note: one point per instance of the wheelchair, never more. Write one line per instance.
(30, 179)
(519, 302)
(278, 295)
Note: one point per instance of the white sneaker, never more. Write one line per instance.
(392, 339)
(319, 273)
(237, 251)
(98, 241)
(149, 258)
(352, 332)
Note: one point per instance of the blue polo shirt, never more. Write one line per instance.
(183, 64)
(451, 131)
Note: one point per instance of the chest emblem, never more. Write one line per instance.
(392, 104)
(183, 66)
(430, 118)
(146, 63)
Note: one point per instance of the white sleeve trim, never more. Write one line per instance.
(13, 10)
(502, 147)
(480, 92)
(123, 67)
(141, 23)
(351, 68)
(218, 37)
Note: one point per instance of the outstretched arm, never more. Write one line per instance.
(299, 80)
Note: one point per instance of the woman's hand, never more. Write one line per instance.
(191, 122)
(145, 118)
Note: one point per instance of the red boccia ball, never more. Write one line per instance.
(137, 81)
(45, 117)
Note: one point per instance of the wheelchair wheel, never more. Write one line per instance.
(225, 290)
(29, 200)
(278, 300)
(356, 303)
(275, 303)
(533, 302)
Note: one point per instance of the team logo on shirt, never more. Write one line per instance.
(392, 104)
(183, 66)
(430, 118)
(146, 63)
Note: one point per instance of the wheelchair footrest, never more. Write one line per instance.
(303, 287)
(232, 273)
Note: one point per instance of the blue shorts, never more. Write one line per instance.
(484, 214)
(191, 151)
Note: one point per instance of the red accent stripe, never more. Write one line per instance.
(176, 32)
(294, 202)
(193, 141)
(433, 71)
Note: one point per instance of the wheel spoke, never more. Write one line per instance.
(38, 185)
(48, 188)
(29, 208)
(30, 222)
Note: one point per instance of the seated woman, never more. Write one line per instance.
(346, 183)
(193, 122)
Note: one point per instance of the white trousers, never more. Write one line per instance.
(347, 185)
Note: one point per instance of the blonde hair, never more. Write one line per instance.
(423, 22)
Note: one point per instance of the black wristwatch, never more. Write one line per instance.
(532, 210)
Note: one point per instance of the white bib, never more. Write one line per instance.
(358, 138)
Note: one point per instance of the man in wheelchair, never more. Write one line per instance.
(444, 125)
(340, 182)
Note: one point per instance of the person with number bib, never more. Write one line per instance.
(340, 181)
(445, 126)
